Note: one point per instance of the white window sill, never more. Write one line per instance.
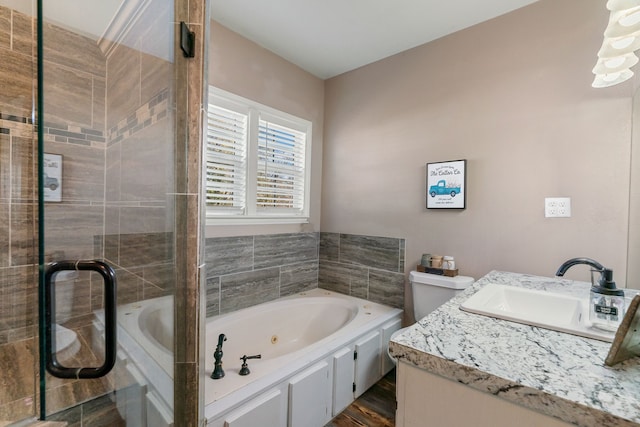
(260, 220)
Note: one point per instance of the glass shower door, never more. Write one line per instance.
(106, 172)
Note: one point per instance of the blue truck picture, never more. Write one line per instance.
(441, 188)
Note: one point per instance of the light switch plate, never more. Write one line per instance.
(557, 207)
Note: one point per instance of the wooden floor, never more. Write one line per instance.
(375, 408)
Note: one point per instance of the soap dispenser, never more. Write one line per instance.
(607, 303)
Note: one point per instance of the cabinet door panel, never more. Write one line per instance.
(343, 377)
(309, 398)
(263, 411)
(368, 364)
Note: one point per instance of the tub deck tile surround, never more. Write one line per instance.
(284, 249)
(329, 247)
(247, 270)
(367, 267)
(562, 375)
(297, 278)
(347, 279)
(376, 252)
(250, 288)
(228, 255)
(386, 288)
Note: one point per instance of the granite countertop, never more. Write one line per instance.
(558, 374)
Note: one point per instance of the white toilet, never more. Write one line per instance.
(430, 291)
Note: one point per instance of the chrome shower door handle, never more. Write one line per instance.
(110, 285)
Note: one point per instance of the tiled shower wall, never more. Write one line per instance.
(139, 244)
(139, 216)
(248, 270)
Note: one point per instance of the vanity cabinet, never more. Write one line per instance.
(428, 399)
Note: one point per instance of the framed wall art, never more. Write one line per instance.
(446, 185)
(52, 177)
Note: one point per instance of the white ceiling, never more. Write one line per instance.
(330, 37)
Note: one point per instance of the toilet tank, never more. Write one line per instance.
(431, 291)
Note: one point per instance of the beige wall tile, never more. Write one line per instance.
(82, 171)
(99, 103)
(68, 95)
(147, 164)
(73, 50)
(18, 365)
(156, 75)
(4, 234)
(16, 83)
(5, 158)
(123, 84)
(71, 228)
(24, 33)
(23, 242)
(23, 170)
(113, 174)
(5, 28)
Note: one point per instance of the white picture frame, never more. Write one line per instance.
(446, 185)
(52, 177)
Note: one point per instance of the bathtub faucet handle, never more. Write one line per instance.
(245, 368)
(218, 372)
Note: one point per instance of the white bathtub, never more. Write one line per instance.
(290, 334)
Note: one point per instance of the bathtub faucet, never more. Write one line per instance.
(218, 372)
(244, 370)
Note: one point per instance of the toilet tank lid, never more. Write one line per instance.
(457, 282)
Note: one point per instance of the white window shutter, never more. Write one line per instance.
(226, 161)
(281, 169)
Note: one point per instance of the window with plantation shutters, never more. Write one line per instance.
(257, 162)
(281, 166)
(226, 160)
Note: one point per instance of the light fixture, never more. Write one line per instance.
(616, 63)
(606, 80)
(621, 39)
(623, 23)
(618, 5)
(619, 45)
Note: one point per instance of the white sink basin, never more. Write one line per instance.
(537, 308)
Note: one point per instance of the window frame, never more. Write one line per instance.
(256, 111)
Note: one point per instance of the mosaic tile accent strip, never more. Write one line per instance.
(146, 115)
(72, 134)
(53, 132)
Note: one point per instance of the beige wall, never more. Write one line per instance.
(513, 97)
(246, 69)
(633, 266)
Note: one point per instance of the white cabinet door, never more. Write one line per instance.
(309, 397)
(387, 331)
(368, 364)
(343, 376)
(266, 410)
